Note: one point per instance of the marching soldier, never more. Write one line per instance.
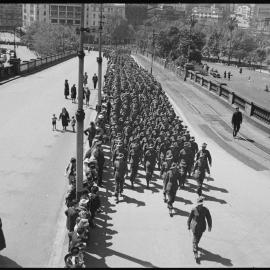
(205, 152)
(149, 163)
(119, 175)
(196, 221)
(193, 149)
(134, 160)
(171, 183)
(185, 160)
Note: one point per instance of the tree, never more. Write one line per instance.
(231, 25)
(122, 33)
(260, 55)
(135, 14)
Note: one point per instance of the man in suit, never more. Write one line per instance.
(236, 121)
(196, 221)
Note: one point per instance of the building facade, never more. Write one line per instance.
(10, 16)
(207, 15)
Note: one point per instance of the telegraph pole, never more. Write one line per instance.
(153, 48)
(99, 60)
(80, 115)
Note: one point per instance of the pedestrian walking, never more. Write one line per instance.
(229, 75)
(87, 95)
(54, 118)
(64, 116)
(225, 74)
(73, 95)
(240, 70)
(197, 223)
(95, 80)
(2, 237)
(236, 121)
(73, 123)
(66, 89)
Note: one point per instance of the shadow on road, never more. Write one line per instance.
(5, 262)
(209, 256)
(179, 212)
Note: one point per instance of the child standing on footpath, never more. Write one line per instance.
(73, 123)
(54, 118)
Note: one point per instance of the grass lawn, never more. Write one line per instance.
(252, 90)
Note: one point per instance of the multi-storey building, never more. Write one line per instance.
(261, 17)
(206, 15)
(10, 16)
(35, 12)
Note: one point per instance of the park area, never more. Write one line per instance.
(252, 89)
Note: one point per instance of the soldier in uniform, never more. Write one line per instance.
(171, 183)
(119, 175)
(200, 167)
(185, 160)
(135, 154)
(196, 221)
(205, 152)
(149, 163)
(194, 149)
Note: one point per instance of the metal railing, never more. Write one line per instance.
(34, 65)
(250, 108)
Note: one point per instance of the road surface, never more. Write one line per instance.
(33, 159)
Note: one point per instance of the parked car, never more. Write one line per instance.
(215, 73)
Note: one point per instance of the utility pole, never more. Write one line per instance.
(15, 41)
(99, 60)
(80, 115)
(153, 49)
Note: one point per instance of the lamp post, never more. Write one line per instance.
(153, 49)
(80, 115)
(192, 22)
(99, 60)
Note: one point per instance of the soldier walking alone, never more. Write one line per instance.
(236, 121)
(196, 221)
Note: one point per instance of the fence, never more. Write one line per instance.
(34, 65)
(252, 110)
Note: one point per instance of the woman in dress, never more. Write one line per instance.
(64, 116)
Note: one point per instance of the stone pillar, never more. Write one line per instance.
(209, 85)
(231, 97)
(249, 108)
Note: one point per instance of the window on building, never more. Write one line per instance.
(54, 21)
(94, 8)
(69, 21)
(94, 23)
(62, 14)
(44, 13)
(62, 21)
(54, 7)
(77, 21)
(24, 17)
(54, 13)
(62, 8)
(94, 15)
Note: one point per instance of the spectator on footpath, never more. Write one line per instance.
(196, 221)
(2, 237)
(91, 132)
(66, 90)
(225, 74)
(95, 80)
(240, 70)
(73, 95)
(72, 215)
(85, 78)
(236, 121)
(73, 123)
(249, 78)
(266, 88)
(54, 118)
(87, 95)
(64, 116)
(71, 171)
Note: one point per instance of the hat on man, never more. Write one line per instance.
(204, 144)
(174, 165)
(187, 144)
(200, 200)
(119, 156)
(192, 138)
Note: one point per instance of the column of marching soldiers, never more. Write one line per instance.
(141, 127)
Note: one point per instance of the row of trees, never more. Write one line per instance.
(48, 38)
(189, 40)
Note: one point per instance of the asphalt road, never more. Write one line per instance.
(33, 159)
